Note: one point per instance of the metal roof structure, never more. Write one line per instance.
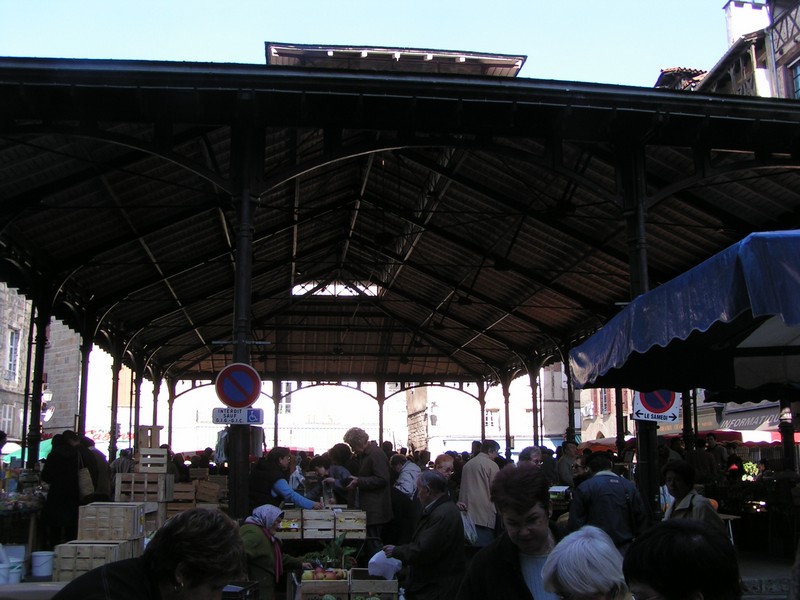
(405, 226)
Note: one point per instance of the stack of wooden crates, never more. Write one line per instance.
(203, 491)
(107, 532)
(149, 482)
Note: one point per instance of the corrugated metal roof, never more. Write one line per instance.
(488, 214)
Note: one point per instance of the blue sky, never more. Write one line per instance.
(608, 41)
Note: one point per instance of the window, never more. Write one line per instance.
(12, 365)
(285, 406)
(604, 410)
(795, 71)
(490, 418)
(335, 288)
(7, 419)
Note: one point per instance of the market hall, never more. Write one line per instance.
(485, 224)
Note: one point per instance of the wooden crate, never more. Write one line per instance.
(291, 526)
(184, 492)
(154, 519)
(147, 436)
(207, 491)
(77, 557)
(151, 460)
(173, 508)
(198, 473)
(208, 505)
(144, 487)
(353, 523)
(318, 524)
(111, 521)
(362, 584)
(309, 590)
(222, 482)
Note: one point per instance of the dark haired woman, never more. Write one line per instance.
(269, 482)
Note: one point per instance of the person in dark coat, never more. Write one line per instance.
(435, 555)
(85, 459)
(60, 472)
(372, 484)
(511, 565)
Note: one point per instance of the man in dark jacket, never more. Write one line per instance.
(511, 565)
(371, 484)
(435, 556)
(609, 502)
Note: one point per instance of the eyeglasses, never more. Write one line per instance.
(576, 466)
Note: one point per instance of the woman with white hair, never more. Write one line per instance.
(569, 573)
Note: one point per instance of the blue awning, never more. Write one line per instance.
(730, 323)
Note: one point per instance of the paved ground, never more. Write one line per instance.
(765, 577)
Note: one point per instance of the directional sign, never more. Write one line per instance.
(238, 416)
(238, 385)
(655, 406)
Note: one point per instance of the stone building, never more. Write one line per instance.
(15, 315)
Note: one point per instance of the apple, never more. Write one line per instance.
(308, 575)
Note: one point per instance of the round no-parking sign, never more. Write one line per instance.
(238, 385)
(659, 401)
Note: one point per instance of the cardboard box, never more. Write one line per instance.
(111, 521)
(144, 487)
(79, 556)
(362, 585)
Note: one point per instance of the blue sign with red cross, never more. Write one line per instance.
(238, 385)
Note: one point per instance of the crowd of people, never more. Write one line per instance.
(420, 509)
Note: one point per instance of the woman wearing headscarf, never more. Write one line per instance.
(266, 562)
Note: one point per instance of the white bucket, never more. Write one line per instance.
(42, 563)
(15, 570)
(18, 552)
(4, 568)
